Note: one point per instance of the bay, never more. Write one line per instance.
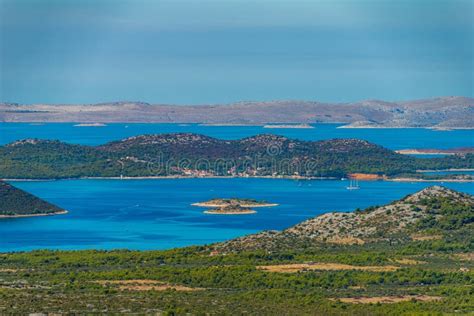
(157, 214)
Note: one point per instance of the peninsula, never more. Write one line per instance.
(18, 203)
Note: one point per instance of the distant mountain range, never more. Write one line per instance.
(194, 155)
(443, 113)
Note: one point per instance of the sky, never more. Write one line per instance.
(197, 52)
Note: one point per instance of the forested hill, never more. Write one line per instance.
(14, 201)
(433, 213)
(187, 154)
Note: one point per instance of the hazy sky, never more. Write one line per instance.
(223, 51)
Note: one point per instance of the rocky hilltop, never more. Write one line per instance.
(423, 215)
(443, 112)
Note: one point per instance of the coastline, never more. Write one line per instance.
(429, 180)
(418, 152)
(227, 124)
(33, 215)
(174, 177)
(249, 177)
(434, 128)
(451, 169)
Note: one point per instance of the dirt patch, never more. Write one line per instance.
(388, 299)
(146, 285)
(297, 267)
(468, 256)
(9, 270)
(365, 176)
(407, 261)
(425, 237)
(346, 241)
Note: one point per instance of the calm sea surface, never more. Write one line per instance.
(156, 214)
(393, 138)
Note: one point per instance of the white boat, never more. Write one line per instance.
(353, 185)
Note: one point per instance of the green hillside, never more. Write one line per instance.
(199, 155)
(14, 201)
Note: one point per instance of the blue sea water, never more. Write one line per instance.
(157, 214)
(393, 138)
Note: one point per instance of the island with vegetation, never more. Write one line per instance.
(233, 202)
(194, 155)
(414, 256)
(18, 203)
(233, 206)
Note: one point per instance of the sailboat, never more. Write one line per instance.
(353, 185)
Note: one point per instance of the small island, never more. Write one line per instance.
(288, 126)
(90, 125)
(18, 203)
(234, 202)
(233, 206)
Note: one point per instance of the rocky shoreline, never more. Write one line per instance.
(32, 215)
